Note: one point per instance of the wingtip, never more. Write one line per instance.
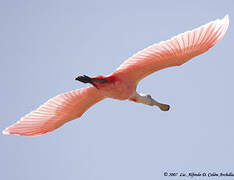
(5, 132)
(226, 16)
(225, 20)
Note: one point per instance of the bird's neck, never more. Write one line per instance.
(141, 98)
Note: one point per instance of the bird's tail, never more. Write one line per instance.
(84, 79)
(87, 79)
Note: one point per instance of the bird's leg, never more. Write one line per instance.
(148, 100)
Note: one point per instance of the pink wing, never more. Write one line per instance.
(55, 112)
(173, 52)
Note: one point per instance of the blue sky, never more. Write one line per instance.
(46, 44)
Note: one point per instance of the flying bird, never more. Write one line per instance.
(122, 83)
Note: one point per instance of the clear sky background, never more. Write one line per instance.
(44, 45)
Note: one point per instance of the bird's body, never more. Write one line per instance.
(122, 83)
(115, 87)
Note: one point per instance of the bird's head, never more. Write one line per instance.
(147, 99)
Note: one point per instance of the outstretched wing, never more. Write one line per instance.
(55, 112)
(173, 52)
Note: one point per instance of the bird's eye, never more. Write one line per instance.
(148, 96)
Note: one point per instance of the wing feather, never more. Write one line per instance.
(173, 52)
(55, 112)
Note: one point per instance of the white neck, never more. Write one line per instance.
(142, 98)
(148, 100)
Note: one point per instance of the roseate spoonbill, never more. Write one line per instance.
(122, 83)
